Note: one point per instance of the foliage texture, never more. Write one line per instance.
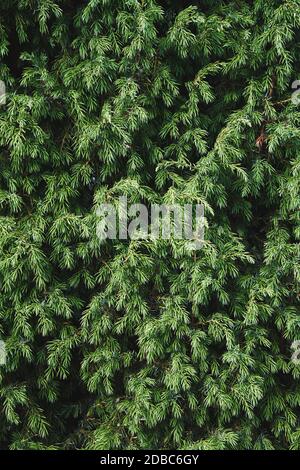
(141, 344)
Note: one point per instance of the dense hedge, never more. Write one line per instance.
(138, 344)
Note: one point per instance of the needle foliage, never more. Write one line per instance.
(141, 344)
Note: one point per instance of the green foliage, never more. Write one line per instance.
(142, 344)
